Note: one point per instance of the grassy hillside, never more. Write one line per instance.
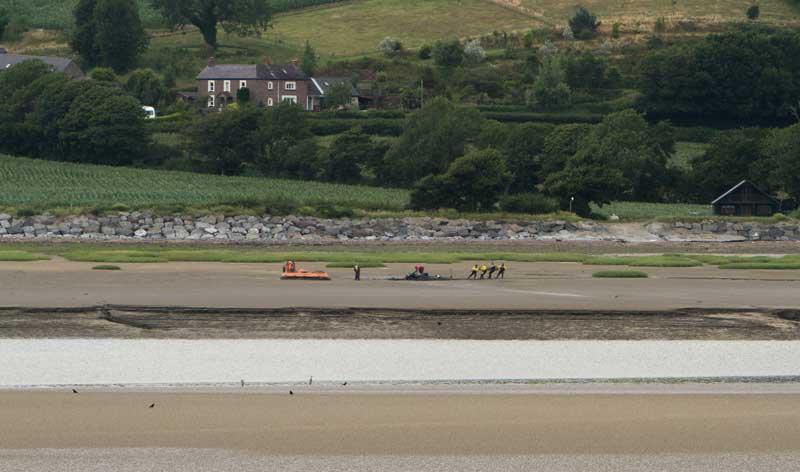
(632, 12)
(37, 184)
(57, 14)
(358, 26)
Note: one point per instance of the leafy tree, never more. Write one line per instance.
(83, 40)
(244, 17)
(339, 95)
(696, 80)
(390, 46)
(726, 162)
(448, 53)
(5, 18)
(781, 151)
(586, 70)
(615, 31)
(103, 74)
(753, 12)
(434, 136)
(243, 95)
(145, 85)
(473, 52)
(560, 145)
(348, 155)
(524, 145)
(425, 51)
(281, 129)
(108, 33)
(584, 24)
(550, 91)
(660, 27)
(309, 60)
(103, 126)
(473, 182)
(227, 141)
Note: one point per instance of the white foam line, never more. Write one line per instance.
(169, 361)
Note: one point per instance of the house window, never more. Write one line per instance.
(270, 85)
(728, 210)
(764, 210)
(211, 101)
(242, 84)
(226, 86)
(212, 86)
(291, 85)
(269, 102)
(289, 98)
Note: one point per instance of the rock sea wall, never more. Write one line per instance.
(266, 229)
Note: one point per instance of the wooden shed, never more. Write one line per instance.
(745, 199)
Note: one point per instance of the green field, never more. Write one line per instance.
(644, 211)
(38, 184)
(356, 27)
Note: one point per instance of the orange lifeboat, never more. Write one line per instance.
(291, 272)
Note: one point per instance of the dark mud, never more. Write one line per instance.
(313, 323)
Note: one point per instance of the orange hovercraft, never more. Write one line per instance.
(291, 272)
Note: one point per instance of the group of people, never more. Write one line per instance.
(490, 269)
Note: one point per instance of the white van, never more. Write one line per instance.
(149, 113)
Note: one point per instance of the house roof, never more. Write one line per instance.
(252, 72)
(325, 84)
(59, 64)
(737, 186)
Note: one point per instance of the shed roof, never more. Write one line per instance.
(8, 61)
(252, 72)
(739, 185)
(325, 84)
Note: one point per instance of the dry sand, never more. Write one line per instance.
(460, 424)
(558, 286)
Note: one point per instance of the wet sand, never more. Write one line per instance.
(553, 286)
(419, 424)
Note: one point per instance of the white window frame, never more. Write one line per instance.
(242, 84)
(270, 85)
(291, 86)
(212, 86)
(212, 102)
(226, 86)
(289, 98)
(269, 102)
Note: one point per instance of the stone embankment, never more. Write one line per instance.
(149, 227)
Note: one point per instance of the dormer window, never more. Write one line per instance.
(212, 86)
(291, 85)
(270, 85)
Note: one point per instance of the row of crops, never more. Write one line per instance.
(30, 183)
(57, 14)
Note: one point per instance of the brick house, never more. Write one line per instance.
(269, 84)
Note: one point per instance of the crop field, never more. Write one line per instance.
(57, 14)
(632, 12)
(356, 27)
(37, 184)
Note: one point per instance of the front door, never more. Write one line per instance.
(747, 210)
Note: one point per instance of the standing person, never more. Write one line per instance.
(483, 270)
(357, 271)
(501, 273)
(474, 273)
(492, 269)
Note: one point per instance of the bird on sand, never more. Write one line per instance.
(152, 405)
(74, 391)
(291, 392)
(344, 384)
(311, 380)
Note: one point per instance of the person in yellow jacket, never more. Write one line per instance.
(474, 273)
(483, 270)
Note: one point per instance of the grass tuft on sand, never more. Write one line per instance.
(620, 274)
(644, 261)
(106, 267)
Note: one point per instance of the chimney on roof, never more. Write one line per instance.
(267, 60)
(295, 62)
(211, 62)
